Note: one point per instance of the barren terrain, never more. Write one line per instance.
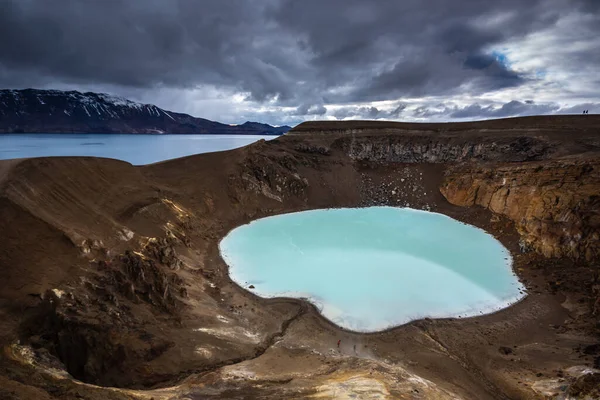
(113, 286)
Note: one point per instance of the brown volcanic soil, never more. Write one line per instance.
(112, 276)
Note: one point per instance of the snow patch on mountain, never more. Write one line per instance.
(120, 101)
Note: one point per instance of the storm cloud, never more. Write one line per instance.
(283, 61)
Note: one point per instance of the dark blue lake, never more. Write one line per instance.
(135, 149)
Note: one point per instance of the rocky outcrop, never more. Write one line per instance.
(442, 150)
(586, 386)
(555, 205)
(100, 347)
(274, 177)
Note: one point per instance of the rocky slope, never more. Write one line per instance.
(112, 274)
(49, 111)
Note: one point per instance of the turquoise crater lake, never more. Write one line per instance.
(368, 269)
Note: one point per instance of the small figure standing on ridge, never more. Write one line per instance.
(339, 341)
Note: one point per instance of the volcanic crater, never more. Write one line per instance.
(114, 286)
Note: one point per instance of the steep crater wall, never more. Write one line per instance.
(424, 149)
(556, 205)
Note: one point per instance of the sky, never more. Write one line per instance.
(287, 61)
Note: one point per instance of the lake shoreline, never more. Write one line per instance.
(137, 149)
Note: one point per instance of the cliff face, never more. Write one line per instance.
(424, 149)
(507, 140)
(555, 206)
(49, 111)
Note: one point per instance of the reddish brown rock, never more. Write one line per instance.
(555, 205)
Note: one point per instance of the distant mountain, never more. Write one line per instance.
(54, 111)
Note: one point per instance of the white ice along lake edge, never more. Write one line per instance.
(369, 269)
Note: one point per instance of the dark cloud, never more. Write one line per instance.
(303, 55)
(371, 112)
(144, 44)
(307, 109)
(409, 48)
(499, 74)
(512, 108)
(362, 112)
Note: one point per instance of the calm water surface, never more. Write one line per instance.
(136, 149)
(368, 269)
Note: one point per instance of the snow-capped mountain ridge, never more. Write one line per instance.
(53, 111)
